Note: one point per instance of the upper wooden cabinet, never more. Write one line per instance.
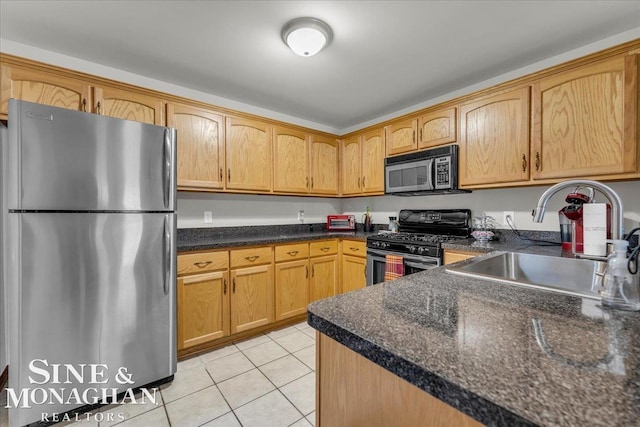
(43, 88)
(324, 165)
(200, 146)
(248, 155)
(436, 128)
(402, 137)
(351, 165)
(127, 105)
(290, 160)
(373, 143)
(494, 139)
(585, 120)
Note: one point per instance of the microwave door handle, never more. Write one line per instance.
(432, 175)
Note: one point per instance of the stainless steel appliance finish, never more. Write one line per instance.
(570, 276)
(433, 171)
(419, 241)
(91, 248)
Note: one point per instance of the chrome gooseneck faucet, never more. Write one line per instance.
(617, 210)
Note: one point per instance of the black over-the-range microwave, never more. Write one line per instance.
(433, 171)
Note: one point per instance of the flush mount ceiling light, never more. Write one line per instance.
(306, 36)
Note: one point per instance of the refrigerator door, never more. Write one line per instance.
(64, 160)
(92, 288)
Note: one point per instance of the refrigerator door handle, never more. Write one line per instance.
(166, 158)
(166, 242)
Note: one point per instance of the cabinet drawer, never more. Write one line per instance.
(354, 247)
(201, 262)
(253, 256)
(292, 252)
(325, 247)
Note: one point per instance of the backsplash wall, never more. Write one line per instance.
(494, 202)
(230, 210)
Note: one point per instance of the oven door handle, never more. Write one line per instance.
(423, 266)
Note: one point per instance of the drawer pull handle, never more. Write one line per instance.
(363, 181)
(524, 163)
(252, 258)
(225, 287)
(307, 182)
(202, 264)
(325, 248)
(229, 175)
(537, 161)
(220, 174)
(358, 182)
(293, 253)
(311, 182)
(306, 274)
(354, 249)
(234, 285)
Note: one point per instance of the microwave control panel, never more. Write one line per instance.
(443, 173)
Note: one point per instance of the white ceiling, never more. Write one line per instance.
(385, 56)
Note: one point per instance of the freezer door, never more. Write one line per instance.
(92, 289)
(68, 160)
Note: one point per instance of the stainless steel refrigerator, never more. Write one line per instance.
(90, 252)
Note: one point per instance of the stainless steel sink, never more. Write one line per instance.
(571, 276)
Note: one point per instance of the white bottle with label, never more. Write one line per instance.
(620, 287)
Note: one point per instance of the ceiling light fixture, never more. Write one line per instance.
(306, 36)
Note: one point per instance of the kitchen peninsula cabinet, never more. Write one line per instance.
(586, 122)
(200, 150)
(290, 160)
(252, 302)
(353, 268)
(323, 264)
(324, 165)
(451, 256)
(494, 139)
(402, 137)
(41, 87)
(292, 280)
(202, 298)
(436, 128)
(248, 155)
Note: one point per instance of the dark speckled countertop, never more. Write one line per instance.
(194, 239)
(472, 344)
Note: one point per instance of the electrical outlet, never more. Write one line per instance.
(208, 217)
(511, 216)
(301, 216)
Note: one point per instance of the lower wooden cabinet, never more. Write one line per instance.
(455, 256)
(251, 297)
(202, 298)
(292, 288)
(353, 267)
(324, 277)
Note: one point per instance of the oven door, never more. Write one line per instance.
(376, 263)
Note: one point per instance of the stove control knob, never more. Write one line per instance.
(412, 249)
(421, 251)
(384, 245)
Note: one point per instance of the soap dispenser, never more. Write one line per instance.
(620, 287)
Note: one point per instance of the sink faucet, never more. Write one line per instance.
(617, 211)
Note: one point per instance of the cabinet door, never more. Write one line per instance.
(351, 166)
(324, 277)
(292, 288)
(353, 273)
(200, 146)
(373, 143)
(585, 121)
(126, 105)
(43, 88)
(251, 297)
(455, 256)
(203, 308)
(248, 155)
(494, 139)
(290, 160)
(437, 128)
(324, 165)
(401, 137)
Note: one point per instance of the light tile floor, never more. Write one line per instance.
(268, 380)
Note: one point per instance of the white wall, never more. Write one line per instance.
(520, 200)
(241, 210)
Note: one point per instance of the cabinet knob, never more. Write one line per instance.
(84, 104)
(98, 108)
(524, 163)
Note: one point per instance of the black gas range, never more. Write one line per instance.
(419, 240)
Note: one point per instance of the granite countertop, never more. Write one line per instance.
(229, 237)
(502, 354)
